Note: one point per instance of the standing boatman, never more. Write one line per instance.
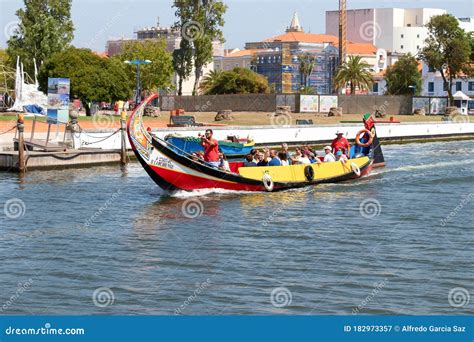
(341, 144)
(211, 148)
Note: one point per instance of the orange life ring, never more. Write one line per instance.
(368, 143)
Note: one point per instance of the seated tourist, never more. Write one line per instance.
(328, 157)
(249, 161)
(275, 160)
(341, 156)
(299, 158)
(261, 160)
(283, 158)
(223, 163)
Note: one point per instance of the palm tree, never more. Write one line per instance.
(209, 80)
(354, 71)
(307, 62)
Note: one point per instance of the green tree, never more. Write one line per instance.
(354, 72)
(182, 63)
(93, 78)
(154, 76)
(209, 80)
(403, 78)
(307, 63)
(447, 49)
(239, 81)
(200, 23)
(45, 28)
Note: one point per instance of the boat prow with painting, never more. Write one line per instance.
(173, 169)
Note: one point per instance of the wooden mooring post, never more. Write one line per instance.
(123, 151)
(20, 125)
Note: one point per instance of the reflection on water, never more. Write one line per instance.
(83, 229)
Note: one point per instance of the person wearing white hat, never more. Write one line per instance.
(328, 157)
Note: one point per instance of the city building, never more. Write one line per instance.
(277, 58)
(396, 30)
(173, 39)
(433, 84)
(235, 58)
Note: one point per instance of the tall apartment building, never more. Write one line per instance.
(396, 30)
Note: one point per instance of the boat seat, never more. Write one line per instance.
(304, 122)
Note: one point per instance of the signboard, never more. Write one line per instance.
(58, 100)
(421, 102)
(438, 105)
(309, 104)
(326, 103)
(286, 68)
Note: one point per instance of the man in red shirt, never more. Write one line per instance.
(211, 149)
(341, 143)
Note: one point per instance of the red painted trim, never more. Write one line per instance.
(190, 182)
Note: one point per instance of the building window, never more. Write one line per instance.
(401, 47)
(375, 88)
(402, 35)
(458, 86)
(430, 87)
(445, 86)
(431, 69)
(417, 36)
(418, 47)
(470, 86)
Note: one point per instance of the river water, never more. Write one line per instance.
(108, 241)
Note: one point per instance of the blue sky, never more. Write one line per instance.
(98, 20)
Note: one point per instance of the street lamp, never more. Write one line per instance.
(138, 90)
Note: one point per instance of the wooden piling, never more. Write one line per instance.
(20, 125)
(123, 151)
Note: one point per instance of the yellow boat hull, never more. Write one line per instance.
(296, 173)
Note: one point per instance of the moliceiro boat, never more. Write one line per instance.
(173, 169)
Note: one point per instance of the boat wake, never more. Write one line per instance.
(203, 192)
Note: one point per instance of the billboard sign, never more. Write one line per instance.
(58, 100)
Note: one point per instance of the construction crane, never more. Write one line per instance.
(342, 31)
